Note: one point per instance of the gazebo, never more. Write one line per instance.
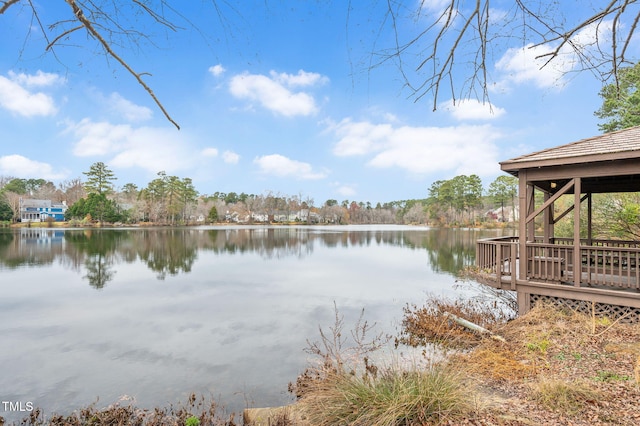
(582, 273)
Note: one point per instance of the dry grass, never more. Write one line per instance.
(125, 413)
(346, 388)
(429, 324)
(394, 397)
(498, 363)
(556, 367)
(569, 397)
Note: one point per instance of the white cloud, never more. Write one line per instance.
(472, 109)
(230, 157)
(281, 166)
(272, 94)
(15, 97)
(39, 79)
(301, 79)
(23, 167)
(217, 70)
(421, 150)
(154, 149)
(129, 110)
(149, 148)
(519, 65)
(527, 64)
(461, 150)
(434, 5)
(357, 138)
(345, 190)
(209, 152)
(99, 138)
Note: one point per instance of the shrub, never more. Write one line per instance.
(392, 397)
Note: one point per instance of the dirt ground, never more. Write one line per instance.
(556, 368)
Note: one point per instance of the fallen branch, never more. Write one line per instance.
(474, 327)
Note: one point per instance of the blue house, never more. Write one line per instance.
(41, 210)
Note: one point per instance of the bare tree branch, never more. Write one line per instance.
(464, 29)
(79, 14)
(64, 34)
(6, 5)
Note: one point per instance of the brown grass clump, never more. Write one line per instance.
(556, 366)
(197, 410)
(392, 398)
(429, 323)
(566, 396)
(495, 363)
(346, 388)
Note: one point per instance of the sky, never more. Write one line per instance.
(275, 96)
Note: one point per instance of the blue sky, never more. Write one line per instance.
(273, 96)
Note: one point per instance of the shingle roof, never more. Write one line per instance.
(622, 144)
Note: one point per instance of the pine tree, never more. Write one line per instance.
(99, 179)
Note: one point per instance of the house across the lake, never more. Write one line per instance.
(41, 210)
(581, 272)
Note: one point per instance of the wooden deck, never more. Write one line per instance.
(609, 270)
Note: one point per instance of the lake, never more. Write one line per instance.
(155, 314)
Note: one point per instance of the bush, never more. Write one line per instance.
(347, 388)
(393, 397)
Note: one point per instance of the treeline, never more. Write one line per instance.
(174, 200)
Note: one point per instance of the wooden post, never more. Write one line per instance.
(589, 220)
(548, 221)
(577, 256)
(513, 256)
(499, 263)
(531, 207)
(522, 224)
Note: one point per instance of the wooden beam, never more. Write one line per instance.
(589, 219)
(569, 209)
(567, 171)
(550, 201)
(577, 256)
(522, 225)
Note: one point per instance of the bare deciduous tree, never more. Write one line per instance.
(446, 45)
(110, 24)
(463, 36)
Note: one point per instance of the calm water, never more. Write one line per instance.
(222, 311)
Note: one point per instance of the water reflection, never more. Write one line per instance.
(169, 252)
(223, 311)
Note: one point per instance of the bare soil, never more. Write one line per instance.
(555, 368)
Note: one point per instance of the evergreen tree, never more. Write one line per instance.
(213, 215)
(99, 179)
(503, 189)
(6, 213)
(621, 102)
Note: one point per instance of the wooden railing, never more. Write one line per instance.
(604, 263)
(498, 256)
(599, 243)
(610, 266)
(548, 262)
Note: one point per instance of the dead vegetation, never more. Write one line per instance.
(195, 411)
(346, 387)
(556, 367)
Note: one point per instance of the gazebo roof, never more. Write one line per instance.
(620, 145)
(606, 163)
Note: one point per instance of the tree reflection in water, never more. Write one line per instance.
(172, 251)
(99, 270)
